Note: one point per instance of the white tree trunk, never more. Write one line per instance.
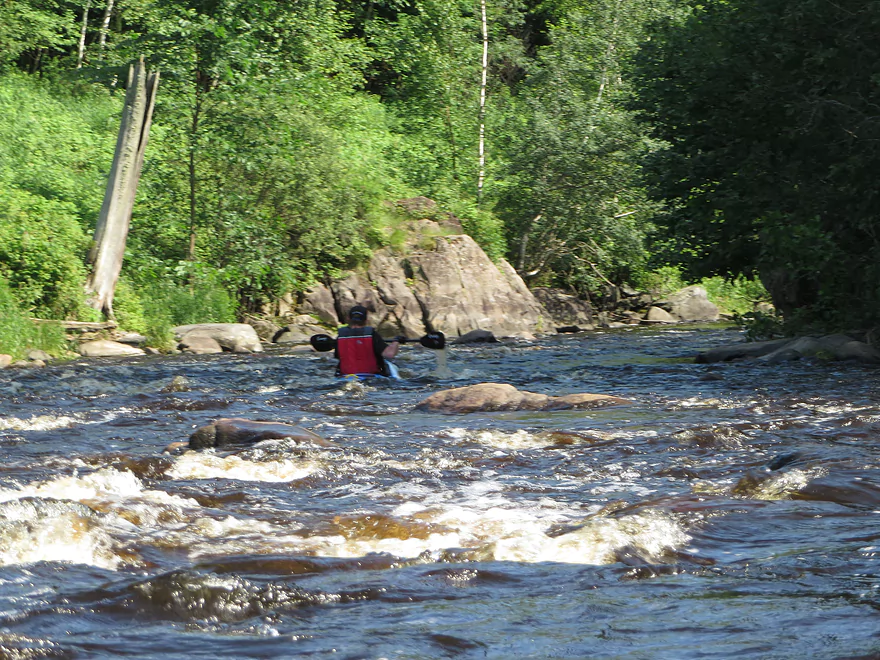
(81, 48)
(111, 230)
(482, 117)
(105, 25)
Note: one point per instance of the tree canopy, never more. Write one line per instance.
(733, 136)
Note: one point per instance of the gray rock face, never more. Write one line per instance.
(453, 288)
(107, 348)
(459, 289)
(235, 431)
(319, 302)
(491, 397)
(235, 337)
(690, 304)
(564, 310)
(659, 315)
(298, 331)
(199, 344)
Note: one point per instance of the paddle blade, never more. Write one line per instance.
(434, 340)
(322, 343)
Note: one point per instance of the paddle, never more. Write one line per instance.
(434, 340)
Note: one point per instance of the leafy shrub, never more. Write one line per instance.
(737, 296)
(662, 281)
(41, 254)
(760, 326)
(18, 334)
(485, 228)
(155, 308)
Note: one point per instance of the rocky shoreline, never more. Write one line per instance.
(440, 280)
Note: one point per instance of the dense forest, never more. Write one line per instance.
(589, 142)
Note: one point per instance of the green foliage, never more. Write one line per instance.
(572, 200)
(41, 248)
(18, 334)
(767, 108)
(662, 281)
(154, 309)
(484, 227)
(736, 296)
(33, 25)
(760, 326)
(57, 141)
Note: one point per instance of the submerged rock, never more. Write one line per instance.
(237, 431)
(832, 347)
(476, 337)
(489, 397)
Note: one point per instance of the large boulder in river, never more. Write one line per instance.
(107, 348)
(235, 337)
(199, 344)
(235, 431)
(690, 304)
(491, 397)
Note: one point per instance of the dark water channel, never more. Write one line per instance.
(730, 512)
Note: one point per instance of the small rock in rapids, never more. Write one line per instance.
(236, 431)
(488, 397)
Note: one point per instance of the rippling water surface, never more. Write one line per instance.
(730, 511)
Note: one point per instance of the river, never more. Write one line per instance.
(730, 511)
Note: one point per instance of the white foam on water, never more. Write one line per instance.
(106, 485)
(37, 423)
(61, 519)
(205, 465)
(482, 519)
(65, 536)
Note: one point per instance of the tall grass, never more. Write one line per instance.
(18, 334)
(153, 310)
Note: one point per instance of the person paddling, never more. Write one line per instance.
(361, 350)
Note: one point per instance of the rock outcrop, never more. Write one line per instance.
(564, 311)
(298, 331)
(492, 397)
(452, 287)
(235, 431)
(690, 304)
(831, 347)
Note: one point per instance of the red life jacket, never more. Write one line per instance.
(356, 352)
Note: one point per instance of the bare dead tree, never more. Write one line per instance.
(111, 230)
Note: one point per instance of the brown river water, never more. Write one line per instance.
(730, 512)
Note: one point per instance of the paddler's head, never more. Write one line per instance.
(357, 316)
